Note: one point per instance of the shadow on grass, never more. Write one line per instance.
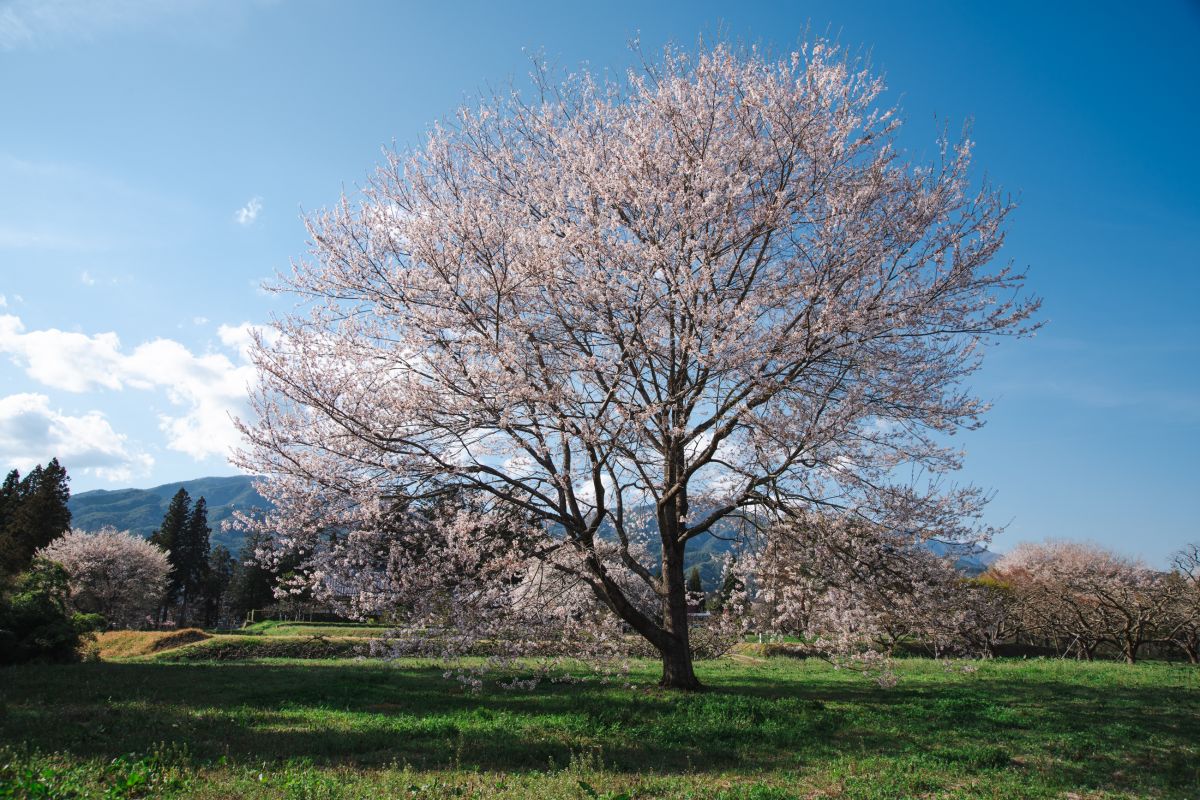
(1078, 733)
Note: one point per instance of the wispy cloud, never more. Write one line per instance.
(31, 432)
(86, 278)
(55, 206)
(249, 212)
(13, 238)
(1180, 404)
(34, 23)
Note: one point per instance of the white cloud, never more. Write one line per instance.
(31, 432)
(3, 301)
(64, 360)
(199, 320)
(249, 212)
(209, 388)
(86, 278)
(240, 337)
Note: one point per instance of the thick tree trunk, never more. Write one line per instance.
(676, 649)
(678, 672)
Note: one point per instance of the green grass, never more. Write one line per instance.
(246, 648)
(766, 730)
(283, 628)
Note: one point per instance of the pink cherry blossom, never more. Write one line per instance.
(629, 314)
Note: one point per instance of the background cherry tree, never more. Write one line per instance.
(630, 312)
(1078, 596)
(113, 573)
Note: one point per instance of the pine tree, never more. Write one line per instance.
(169, 536)
(694, 584)
(10, 498)
(252, 585)
(193, 558)
(35, 513)
(10, 495)
(216, 585)
(729, 586)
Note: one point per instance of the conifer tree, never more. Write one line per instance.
(33, 512)
(252, 585)
(184, 534)
(216, 585)
(169, 536)
(193, 556)
(10, 497)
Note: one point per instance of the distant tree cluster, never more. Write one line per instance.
(199, 573)
(252, 584)
(869, 590)
(207, 586)
(1067, 599)
(1080, 600)
(58, 584)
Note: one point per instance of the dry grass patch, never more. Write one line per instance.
(129, 644)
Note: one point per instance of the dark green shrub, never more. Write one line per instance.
(35, 623)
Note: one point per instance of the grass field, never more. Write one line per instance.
(775, 728)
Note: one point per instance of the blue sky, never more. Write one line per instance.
(155, 158)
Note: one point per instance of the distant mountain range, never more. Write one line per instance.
(971, 559)
(141, 511)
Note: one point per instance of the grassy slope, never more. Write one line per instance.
(767, 729)
(130, 644)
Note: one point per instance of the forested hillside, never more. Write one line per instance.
(141, 510)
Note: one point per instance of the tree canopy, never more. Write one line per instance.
(632, 310)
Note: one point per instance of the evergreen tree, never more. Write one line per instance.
(35, 621)
(252, 585)
(169, 536)
(694, 584)
(218, 577)
(34, 513)
(10, 498)
(731, 584)
(193, 558)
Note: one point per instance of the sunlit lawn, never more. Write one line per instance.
(765, 729)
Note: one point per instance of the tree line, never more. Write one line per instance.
(1081, 600)
(1056, 598)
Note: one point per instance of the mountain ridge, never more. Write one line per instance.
(141, 511)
